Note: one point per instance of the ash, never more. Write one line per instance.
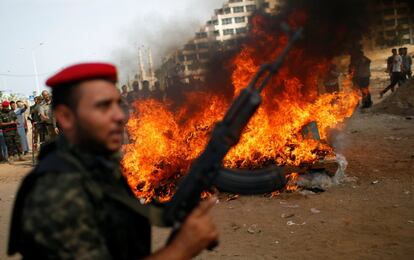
(322, 181)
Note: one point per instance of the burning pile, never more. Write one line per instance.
(167, 137)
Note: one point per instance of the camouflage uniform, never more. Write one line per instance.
(34, 114)
(65, 209)
(49, 124)
(10, 132)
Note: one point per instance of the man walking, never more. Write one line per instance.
(395, 72)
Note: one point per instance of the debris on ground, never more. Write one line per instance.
(254, 229)
(315, 211)
(232, 197)
(287, 215)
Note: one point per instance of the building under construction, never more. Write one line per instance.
(222, 32)
(394, 23)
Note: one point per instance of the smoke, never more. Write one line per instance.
(330, 29)
(333, 27)
(163, 27)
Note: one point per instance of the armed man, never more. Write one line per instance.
(35, 120)
(63, 211)
(8, 123)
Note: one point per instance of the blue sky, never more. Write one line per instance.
(73, 31)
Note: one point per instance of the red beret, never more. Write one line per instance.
(5, 103)
(83, 71)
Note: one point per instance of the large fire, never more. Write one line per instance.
(166, 139)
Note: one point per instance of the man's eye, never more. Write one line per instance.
(103, 105)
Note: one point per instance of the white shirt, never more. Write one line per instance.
(397, 63)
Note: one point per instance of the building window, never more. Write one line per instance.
(240, 19)
(405, 41)
(215, 22)
(403, 21)
(250, 8)
(230, 43)
(194, 66)
(191, 57)
(227, 10)
(181, 58)
(190, 47)
(202, 45)
(390, 33)
(238, 9)
(215, 33)
(389, 22)
(388, 12)
(215, 45)
(201, 35)
(402, 10)
(226, 21)
(228, 31)
(235, 1)
(241, 30)
(203, 56)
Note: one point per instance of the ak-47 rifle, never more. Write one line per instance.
(225, 135)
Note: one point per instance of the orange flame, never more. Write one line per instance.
(165, 142)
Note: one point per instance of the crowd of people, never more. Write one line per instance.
(399, 69)
(14, 126)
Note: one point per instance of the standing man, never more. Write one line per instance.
(19, 109)
(35, 120)
(395, 72)
(8, 123)
(403, 77)
(407, 62)
(47, 117)
(134, 94)
(124, 92)
(72, 205)
(361, 68)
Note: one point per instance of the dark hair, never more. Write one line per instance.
(66, 95)
(394, 50)
(12, 102)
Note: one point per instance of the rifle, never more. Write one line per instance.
(225, 135)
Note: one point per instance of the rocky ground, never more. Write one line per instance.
(368, 217)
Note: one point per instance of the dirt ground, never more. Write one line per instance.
(372, 218)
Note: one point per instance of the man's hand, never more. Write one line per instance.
(196, 234)
(198, 230)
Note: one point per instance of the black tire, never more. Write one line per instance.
(248, 182)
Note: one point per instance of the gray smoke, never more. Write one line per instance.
(164, 28)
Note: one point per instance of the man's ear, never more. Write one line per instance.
(65, 117)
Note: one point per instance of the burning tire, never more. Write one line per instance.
(250, 182)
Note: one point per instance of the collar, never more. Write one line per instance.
(101, 166)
